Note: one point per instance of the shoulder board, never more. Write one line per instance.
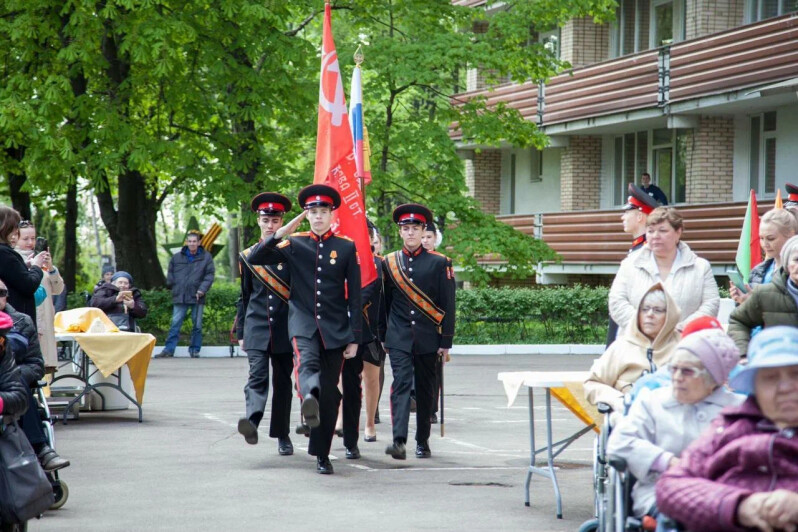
(345, 237)
(302, 233)
(283, 244)
(433, 252)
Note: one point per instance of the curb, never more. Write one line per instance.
(223, 351)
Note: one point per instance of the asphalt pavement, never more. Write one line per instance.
(186, 468)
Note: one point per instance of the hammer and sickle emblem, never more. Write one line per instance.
(337, 108)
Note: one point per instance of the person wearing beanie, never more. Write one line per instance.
(742, 473)
(120, 301)
(107, 272)
(772, 304)
(662, 422)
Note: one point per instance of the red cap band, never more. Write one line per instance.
(317, 199)
(792, 197)
(646, 209)
(412, 216)
(271, 206)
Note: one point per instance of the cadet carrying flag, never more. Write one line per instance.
(335, 158)
(749, 252)
(359, 133)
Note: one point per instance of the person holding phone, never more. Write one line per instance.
(28, 246)
(120, 301)
(21, 279)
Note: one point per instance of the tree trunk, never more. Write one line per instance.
(19, 200)
(71, 237)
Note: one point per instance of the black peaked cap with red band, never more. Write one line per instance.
(792, 195)
(638, 199)
(270, 204)
(412, 213)
(319, 196)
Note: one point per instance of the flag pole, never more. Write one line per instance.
(359, 58)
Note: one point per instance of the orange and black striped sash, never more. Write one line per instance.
(418, 298)
(265, 275)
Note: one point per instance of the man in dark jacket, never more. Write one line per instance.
(24, 340)
(190, 276)
(325, 309)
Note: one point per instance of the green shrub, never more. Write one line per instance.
(554, 315)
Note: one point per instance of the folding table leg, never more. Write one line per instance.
(550, 457)
(532, 448)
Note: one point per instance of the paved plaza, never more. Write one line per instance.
(186, 468)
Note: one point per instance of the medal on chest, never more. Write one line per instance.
(333, 256)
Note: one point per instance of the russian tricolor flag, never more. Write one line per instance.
(359, 132)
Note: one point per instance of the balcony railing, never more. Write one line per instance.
(597, 237)
(743, 57)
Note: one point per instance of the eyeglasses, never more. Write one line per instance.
(655, 310)
(3, 292)
(25, 223)
(687, 371)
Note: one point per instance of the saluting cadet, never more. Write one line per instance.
(419, 296)
(262, 331)
(635, 213)
(325, 308)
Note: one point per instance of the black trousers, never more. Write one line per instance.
(256, 391)
(405, 366)
(353, 395)
(31, 423)
(436, 391)
(319, 370)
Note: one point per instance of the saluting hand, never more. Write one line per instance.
(291, 226)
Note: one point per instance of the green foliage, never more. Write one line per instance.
(484, 316)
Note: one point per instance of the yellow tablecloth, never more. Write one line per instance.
(109, 350)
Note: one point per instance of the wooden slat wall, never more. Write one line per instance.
(711, 230)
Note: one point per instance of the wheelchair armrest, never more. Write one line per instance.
(604, 408)
(40, 384)
(618, 463)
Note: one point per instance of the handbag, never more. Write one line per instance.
(25, 491)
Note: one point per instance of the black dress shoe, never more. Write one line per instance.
(397, 451)
(433, 418)
(284, 446)
(324, 466)
(310, 411)
(249, 430)
(422, 450)
(370, 438)
(353, 453)
(303, 429)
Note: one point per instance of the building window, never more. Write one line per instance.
(764, 9)
(762, 160)
(550, 41)
(662, 27)
(644, 24)
(631, 160)
(669, 156)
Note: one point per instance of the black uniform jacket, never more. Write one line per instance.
(325, 285)
(263, 315)
(374, 307)
(409, 329)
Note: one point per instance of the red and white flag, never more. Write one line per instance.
(335, 158)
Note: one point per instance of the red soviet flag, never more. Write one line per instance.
(335, 158)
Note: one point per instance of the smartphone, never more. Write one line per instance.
(41, 244)
(127, 294)
(737, 279)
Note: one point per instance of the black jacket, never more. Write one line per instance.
(325, 285)
(104, 298)
(12, 391)
(374, 307)
(408, 329)
(31, 362)
(21, 281)
(263, 314)
(186, 277)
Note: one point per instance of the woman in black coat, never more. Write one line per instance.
(13, 396)
(21, 281)
(120, 301)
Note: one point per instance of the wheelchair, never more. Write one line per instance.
(60, 488)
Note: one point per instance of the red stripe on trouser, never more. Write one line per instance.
(296, 368)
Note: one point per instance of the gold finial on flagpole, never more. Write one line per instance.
(359, 58)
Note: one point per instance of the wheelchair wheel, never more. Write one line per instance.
(61, 492)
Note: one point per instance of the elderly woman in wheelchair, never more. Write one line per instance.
(120, 301)
(742, 473)
(662, 422)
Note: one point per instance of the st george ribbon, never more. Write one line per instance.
(335, 158)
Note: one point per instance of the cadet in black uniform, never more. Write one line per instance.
(419, 296)
(325, 308)
(635, 213)
(262, 331)
(792, 197)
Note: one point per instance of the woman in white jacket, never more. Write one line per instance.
(665, 259)
(663, 422)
